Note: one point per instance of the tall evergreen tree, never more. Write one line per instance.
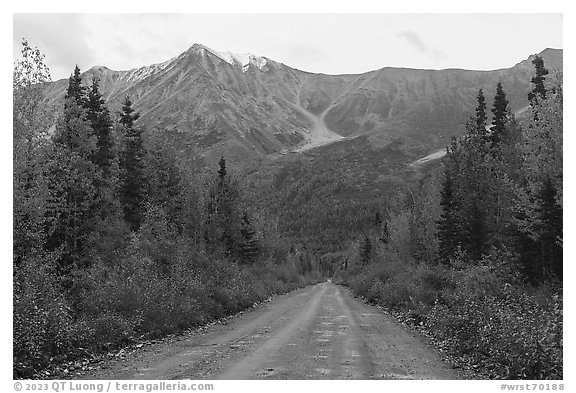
(223, 220)
(75, 88)
(72, 205)
(133, 178)
(128, 115)
(500, 111)
(548, 228)
(481, 114)
(539, 90)
(99, 117)
(450, 230)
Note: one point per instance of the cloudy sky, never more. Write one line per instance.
(332, 44)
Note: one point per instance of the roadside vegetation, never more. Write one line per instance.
(117, 239)
(473, 255)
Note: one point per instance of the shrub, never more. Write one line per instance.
(481, 313)
(141, 293)
(507, 330)
(41, 317)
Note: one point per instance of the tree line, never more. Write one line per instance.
(502, 185)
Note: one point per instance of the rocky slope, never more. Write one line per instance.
(250, 106)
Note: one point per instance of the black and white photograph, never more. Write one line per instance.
(200, 197)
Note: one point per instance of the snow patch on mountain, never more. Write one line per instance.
(243, 60)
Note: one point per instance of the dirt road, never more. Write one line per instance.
(318, 332)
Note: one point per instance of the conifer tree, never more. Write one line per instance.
(72, 205)
(75, 88)
(539, 90)
(481, 114)
(548, 228)
(449, 226)
(133, 178)
(500, 112)
(223, 220)
(99, 117)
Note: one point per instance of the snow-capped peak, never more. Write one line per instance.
(242, 60)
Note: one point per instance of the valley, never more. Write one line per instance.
(228, 216)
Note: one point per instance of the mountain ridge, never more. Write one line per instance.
(253, 106)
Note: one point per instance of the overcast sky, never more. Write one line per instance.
(332, 44)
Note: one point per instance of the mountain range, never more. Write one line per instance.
(250, 107)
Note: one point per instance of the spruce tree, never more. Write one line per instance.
(72, 205)
(99, 117)
(548, 229)
(481, 114)
(539, 90)
(75, 88)
(133, 178)
(500, 113)
(449, 226)
(223, 221)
